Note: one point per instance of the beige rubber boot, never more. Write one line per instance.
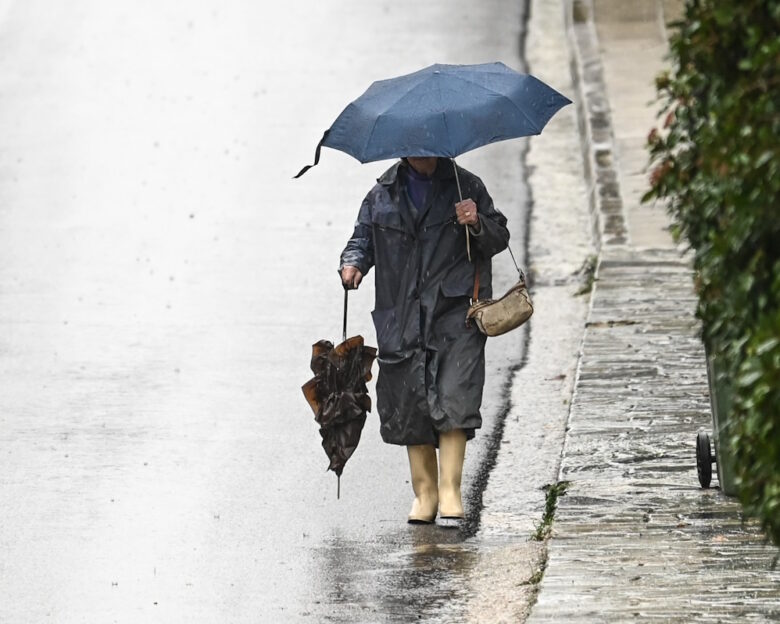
(452, 451)
(425, 483)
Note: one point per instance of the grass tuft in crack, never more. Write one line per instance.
(588, 274)
(536, 577)
(554, 491)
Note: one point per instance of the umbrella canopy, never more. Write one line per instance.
(338, 395)
(442, 110)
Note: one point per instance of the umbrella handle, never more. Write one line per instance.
(346, 296)
(460, 196)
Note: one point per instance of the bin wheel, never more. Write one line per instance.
(704, 459)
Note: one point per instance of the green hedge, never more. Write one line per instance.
(716, 163)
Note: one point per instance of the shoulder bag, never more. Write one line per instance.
(494, 317)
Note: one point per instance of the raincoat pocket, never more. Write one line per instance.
(388, 333)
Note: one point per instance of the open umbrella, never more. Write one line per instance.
(442, 110)
(338, 395)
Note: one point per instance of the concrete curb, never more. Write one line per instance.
(604, 197)
(635, 538)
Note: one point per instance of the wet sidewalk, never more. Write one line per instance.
(635, 537)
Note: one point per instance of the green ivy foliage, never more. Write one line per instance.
(716, 163)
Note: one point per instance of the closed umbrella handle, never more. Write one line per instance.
(460, 198)
(344, 339)
(346, 296)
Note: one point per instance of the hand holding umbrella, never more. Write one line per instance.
(466, 213)
(351, 277)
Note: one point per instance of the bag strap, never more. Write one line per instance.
(519, 270)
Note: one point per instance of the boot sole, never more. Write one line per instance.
(450, 522)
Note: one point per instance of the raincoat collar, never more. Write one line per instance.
(444, 170)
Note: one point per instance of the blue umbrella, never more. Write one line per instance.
(442, 110)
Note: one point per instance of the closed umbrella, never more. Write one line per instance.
(338, 396)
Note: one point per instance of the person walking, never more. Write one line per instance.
(410, 228)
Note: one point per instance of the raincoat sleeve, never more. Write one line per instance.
(493, 236)
(359, 251)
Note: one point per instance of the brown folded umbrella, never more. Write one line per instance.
(338, 395)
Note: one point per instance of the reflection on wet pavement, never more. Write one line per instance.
(414, 574)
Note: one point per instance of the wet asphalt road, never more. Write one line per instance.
(162, 279)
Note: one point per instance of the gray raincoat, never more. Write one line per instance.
(431, 364)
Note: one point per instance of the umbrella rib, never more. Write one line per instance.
(396, 101)
(444, 120)
(401, 96)
(533, 125)
(520, 110)
(368, 139)
(388, 107)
